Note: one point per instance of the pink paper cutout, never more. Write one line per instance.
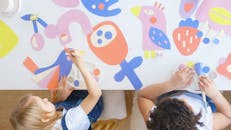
(151, 16)
(206, 7)
(61, 29)
(67, 3)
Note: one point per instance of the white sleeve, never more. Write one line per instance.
(77, 119)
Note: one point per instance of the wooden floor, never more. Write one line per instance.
(8, 99)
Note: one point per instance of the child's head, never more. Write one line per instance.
(173, 114)
(33, 113)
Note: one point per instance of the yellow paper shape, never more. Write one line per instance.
(220, 15)
(8, 39)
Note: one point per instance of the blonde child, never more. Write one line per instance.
(78, 108)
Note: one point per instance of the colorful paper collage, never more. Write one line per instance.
(199, 22)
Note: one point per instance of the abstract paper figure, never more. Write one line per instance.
(153, 28)
(108, 43)
(216, 17)
(37, 40)
(48, 77)
(105, 40)
(101, 7)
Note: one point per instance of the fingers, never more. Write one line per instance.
(72, 53)
(70, 88)
(204, 82)
(62, 81)
(187, 73)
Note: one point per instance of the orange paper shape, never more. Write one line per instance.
(225, 68)
(30, 65)
(112, 51)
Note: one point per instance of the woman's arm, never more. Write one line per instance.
(147, 95)
(222, 118)
(92, 86)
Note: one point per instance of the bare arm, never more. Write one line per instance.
(62, 92)
(147, 95)
(92, 86)
(222, 118)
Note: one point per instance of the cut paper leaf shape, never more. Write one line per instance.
(159, 38)
(153, 21)
(187, 7)
(187, 37)
(101, 7)
(8, 39)
(225, 68)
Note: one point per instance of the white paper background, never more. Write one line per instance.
(13, 75)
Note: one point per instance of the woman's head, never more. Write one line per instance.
(173, 114)
(33, 113)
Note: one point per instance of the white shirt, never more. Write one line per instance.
(76, 119)
(197, 104)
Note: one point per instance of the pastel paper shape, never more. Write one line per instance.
(101, 7)
(225, 68)
(8, 39)
(127, 70)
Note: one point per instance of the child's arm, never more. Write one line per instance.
(147, 95)
(62, 92)
(92, 86)
(222, 118)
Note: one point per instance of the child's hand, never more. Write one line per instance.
(182, 78)
(76, 57)
(63, 90)
(208, 86)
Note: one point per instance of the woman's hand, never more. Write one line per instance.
(208, 86)
(63, 90)
(182, 78)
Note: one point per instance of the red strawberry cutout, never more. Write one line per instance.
(187, 37)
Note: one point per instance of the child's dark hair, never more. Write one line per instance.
(173, 114)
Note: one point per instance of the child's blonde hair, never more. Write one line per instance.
(27, 115)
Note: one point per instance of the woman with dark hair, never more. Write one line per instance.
(166, 106)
